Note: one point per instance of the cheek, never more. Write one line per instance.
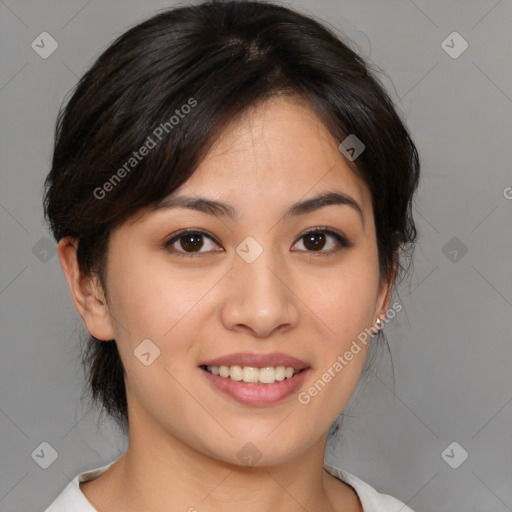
(156, 303)
(167, 307)
(346, 305)
(152, 299)
(346, 300)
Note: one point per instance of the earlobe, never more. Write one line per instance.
(86, 292)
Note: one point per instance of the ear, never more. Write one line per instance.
(384, 295)
(86, 292)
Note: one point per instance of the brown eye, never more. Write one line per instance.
(314, 241)
(189, 242)
(317, 239)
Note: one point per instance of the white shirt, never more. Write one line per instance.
(72, 499)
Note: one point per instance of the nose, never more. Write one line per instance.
(259, 300)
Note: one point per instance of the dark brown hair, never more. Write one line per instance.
(220, 58)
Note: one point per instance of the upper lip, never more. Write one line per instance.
(257, 360)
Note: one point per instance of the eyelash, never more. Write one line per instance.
(343, 242)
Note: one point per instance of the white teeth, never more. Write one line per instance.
(248, 374)
(235, 372)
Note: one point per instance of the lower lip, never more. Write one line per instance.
(257, 394)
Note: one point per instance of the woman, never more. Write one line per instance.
(231, 191)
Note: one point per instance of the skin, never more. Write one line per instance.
(184, 434)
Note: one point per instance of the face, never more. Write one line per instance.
(259, 281)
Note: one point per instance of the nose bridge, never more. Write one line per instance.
(260, 275)
(259, 297)
(258, 268)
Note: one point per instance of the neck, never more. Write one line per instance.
(159, 472)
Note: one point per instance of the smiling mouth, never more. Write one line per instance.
(252, 375)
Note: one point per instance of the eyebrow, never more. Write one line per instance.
(220, 209)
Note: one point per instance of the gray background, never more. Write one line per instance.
(451, 345)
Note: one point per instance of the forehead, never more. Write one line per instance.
(274, 154)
